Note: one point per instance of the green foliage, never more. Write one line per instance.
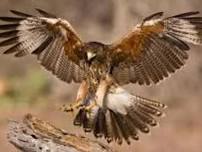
(26, 89)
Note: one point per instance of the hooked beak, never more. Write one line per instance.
(90, 55)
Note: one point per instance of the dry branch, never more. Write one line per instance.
(35, 135)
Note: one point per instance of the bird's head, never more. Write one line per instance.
(95, 51)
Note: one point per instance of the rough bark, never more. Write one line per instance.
(35, 135)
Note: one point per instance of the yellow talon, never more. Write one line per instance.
(91, 106)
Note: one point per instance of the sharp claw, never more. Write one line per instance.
(78, 105)
(70, 108)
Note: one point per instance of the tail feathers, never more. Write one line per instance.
(142, 107)
(86, 120)
(116, 129)
(150, 102)
(138, 122)
(126, 127)
(110, 131)
(146, 118)
(116, 126)
(99, 125)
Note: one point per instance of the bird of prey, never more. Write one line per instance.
(153, 50)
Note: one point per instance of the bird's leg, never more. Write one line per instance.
(100, 93)
(81, 95)
(90, 106)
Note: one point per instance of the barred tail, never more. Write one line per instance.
(122, 117)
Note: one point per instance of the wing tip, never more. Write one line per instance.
(186, 14)
(44, 13)
(154, 16)
(19, 13)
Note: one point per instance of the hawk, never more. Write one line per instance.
(153, 50)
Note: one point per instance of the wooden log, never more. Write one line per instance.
(35, 135)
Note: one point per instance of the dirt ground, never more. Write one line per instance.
(179, 131)
(31, 90)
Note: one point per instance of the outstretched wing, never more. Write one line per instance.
(51, 39)
(155, 48)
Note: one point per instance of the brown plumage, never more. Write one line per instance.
(152, 51)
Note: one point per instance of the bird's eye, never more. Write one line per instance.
(90, 55)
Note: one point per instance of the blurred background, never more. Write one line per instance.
(26, 88)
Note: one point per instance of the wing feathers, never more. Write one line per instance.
(12, 49)
(174, 40)
(9, 34)
(153, 16)
(43, 46)
(9, 41)
(156, 48)
(9, 26)
(12, 19)
(185, 14)
(20, 13)
(47, 38)
(45, 14)
(21, 53)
